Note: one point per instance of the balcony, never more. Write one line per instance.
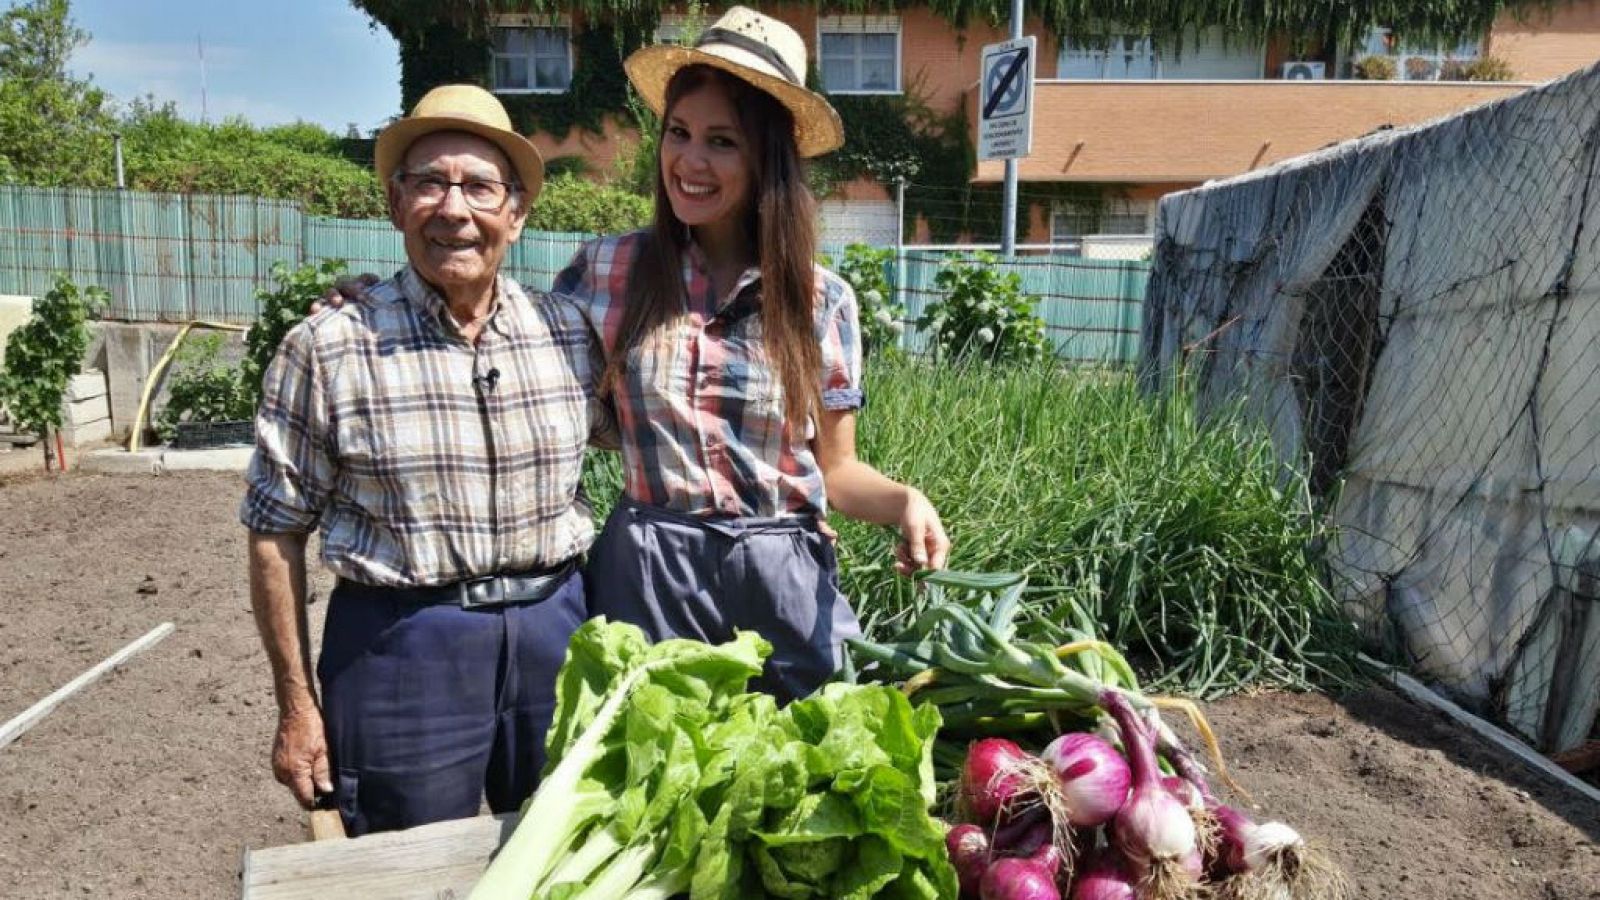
(1187, 132)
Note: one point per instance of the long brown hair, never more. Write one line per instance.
(783, 218)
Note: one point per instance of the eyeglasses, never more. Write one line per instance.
(482, 194)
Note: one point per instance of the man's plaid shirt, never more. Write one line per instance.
(381, 422)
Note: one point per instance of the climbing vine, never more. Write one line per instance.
(888, 138)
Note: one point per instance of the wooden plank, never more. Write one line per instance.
(1420, 692)
(326, 825)
(1581, 759)
(14, 728)
(430, 862)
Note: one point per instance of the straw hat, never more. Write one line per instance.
(461, 107)
(758, 49)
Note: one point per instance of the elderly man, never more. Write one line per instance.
(435, 431)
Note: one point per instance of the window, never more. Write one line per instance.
(530, 56)
(675, 28)
(859, 54)
(1418, 62)
(1071, 222)
(1109, 57)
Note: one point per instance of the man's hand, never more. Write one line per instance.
(923, 544)
(300, 756)
(345, 290)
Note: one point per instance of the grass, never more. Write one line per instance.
(1188, 544)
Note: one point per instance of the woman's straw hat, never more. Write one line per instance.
(758, 49)
(461, 107)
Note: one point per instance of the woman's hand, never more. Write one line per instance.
(345, 290)
(923, 544)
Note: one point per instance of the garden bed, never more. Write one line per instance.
(153, 781)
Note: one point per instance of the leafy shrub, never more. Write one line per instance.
(1421, 69)
(568, 203)
(866, 268)
(301, 162)
(46, 352)
(565, 167)
(1375, 68)
(282, 308)
(983, 313)
(1487, 68)
(202, 388)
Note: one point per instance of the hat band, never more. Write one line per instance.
(749, 45)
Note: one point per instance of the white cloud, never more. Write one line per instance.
(114, 62)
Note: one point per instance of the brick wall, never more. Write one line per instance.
(1550, 43)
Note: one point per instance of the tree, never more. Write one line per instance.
(36, 39)
(45, 353)
(55, 130)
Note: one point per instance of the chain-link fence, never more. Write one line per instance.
(1416, 315)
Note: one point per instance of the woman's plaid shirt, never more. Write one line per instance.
(423, 467)
(701, 415)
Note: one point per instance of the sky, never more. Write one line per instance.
(270, 61)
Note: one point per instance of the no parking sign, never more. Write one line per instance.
(1005, 99)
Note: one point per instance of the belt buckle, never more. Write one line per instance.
(484, 591)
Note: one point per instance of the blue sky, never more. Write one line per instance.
(271, 61)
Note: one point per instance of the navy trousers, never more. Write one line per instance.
(430, 709)
(682, 576)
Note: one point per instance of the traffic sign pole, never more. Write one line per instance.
(1008, 206)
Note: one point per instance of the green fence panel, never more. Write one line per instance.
(175, 257)
(233, 242)
(158, 259)
(536, 259)
(365, 245)
(1091, 307)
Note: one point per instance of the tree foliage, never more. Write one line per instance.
(282, 307)
(300, 162)
(46, 352)
(569, 203)
(54, 130)
(57, 131)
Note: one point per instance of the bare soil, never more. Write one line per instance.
(154, 780)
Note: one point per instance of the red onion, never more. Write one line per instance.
(1048, 857)
(1022, 834)
(1093, 778)
(968, 847)
(1153, 830)
(1271, 860)
(1017, 879)
(1104, 878)
(994, 781)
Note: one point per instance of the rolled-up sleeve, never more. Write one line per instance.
(292, 470)
(841, 348)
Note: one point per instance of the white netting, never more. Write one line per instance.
(1415, 315)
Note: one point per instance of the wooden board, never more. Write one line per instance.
(431, 862)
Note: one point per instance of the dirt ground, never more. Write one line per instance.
(153, 781)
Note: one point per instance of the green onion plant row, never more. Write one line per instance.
(1186, 543)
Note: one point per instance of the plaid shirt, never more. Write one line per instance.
(376, 419)
(701, 415)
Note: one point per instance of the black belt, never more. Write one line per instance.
(494, 590)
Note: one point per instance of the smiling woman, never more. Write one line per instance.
(734, 363)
